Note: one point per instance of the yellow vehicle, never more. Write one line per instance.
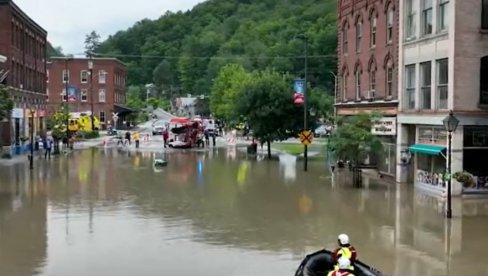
(83, 123)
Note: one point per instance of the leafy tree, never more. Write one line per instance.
(225, 90)
(163, 75)
(134, 97)
(353, 139)
(92, 43)
(267, 102)
(6, 106)
(322, 101)
(54, 51)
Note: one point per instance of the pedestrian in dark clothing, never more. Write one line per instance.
(165, 137)
(213, 137)
(207, 137)
(47, 143)
(127, 137)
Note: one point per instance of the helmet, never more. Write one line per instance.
(343, 239)
(344, 263)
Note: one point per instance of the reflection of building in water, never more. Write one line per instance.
(23, 208)
(288, 165)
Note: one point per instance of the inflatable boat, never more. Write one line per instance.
(321, 263)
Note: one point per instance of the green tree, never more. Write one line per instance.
(353, 139)
(163, 75)
(92, 43)
(322, 101)
(134, 97)
(225, 90)
(6, 106)
(54, 51)
(267, 102)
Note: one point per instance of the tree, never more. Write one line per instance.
(54, 51)
(225, 90)
(163, 75)
(92, 43)
(322, 101)
(353, 139)
(6, 106)
(267, 102)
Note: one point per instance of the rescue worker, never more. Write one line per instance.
(345, 250)
(343, 268)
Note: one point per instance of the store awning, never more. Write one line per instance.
(427, 149)
(123, 110)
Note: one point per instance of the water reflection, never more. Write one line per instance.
(87, 214)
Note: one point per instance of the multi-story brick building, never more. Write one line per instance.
(443, 66)
(367, 67)
(23, 44)
(101, 86)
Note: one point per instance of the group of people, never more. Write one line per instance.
(45, 145)
(344, 257)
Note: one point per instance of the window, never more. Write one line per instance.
(389, 79)
(63, 95)
(47, 94)
(359, 35)
(47, 76)
(432, 135)
(484, 81)
(344, 86)
(442, 82)
(101, 95)
(389, 25)
(358, 84)
(427, 17)
(102, 77)
(443, 15)
(409, 87)
(372, 39)
(102, 117)
(344, 41)
(84, 95)
(409, 19)
(425, 83)
(484, 14)
(65, 76)
(372, 82)
(84, 76)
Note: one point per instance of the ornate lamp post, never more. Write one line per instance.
(450, 123)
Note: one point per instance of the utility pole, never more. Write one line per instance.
(66, 87)
(305, 109)
(90, 68)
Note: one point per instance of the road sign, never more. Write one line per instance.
(306, 137)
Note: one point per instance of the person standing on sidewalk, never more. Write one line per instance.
(47, 143)
(165, 136)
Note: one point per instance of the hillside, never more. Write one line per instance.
(186, 49)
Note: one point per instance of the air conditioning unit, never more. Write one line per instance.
(371, 94)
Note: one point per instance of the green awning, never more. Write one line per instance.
(427, 149)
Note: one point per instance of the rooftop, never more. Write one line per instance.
(85, 59)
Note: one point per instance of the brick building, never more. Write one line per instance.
(367, 67)
(103, 85)
(23, 44)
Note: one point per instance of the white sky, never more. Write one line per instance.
(68, 21)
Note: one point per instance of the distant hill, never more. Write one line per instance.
(188, 48)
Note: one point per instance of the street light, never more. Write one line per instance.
(450, 123)
(90, 68)
(305, 147)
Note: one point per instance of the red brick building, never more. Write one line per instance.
(367, 66)
(103, 85)
(23, 43)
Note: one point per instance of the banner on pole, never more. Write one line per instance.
(299, 90)
(72, 91)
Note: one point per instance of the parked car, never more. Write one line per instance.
(321, 131)
(158, 127)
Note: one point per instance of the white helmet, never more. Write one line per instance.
(343, 239)
(344, 263)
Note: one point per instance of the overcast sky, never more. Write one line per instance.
(68, 21)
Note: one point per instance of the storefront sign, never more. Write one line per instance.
(18, 113)
(384, 126)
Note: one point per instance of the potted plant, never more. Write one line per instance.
(465, 178)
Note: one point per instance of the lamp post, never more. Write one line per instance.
(66, 87)
(90, 70)
(305, 110)
(450, 123)
(31, 128)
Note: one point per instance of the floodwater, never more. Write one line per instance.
(107, 212)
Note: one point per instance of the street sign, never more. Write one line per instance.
(306, 137)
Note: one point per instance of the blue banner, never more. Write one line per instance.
(72, 92)
(299, 86)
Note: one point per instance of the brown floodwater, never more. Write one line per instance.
(107, 212)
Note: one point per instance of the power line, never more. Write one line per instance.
(214, 57)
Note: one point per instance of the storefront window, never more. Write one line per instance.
(475, 158)
(432, 135)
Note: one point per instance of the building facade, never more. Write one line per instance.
(368, 68)
(23, 44)
(98, 83)
(443, 67)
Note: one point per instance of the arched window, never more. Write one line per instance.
(372, 82)
(389, 24)
(101, 95)
(345, 75)
(389, 78)
(357, 81)
(359, 35)
(345, 43)
(372, 24)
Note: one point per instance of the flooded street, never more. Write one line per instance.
(108, 212)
